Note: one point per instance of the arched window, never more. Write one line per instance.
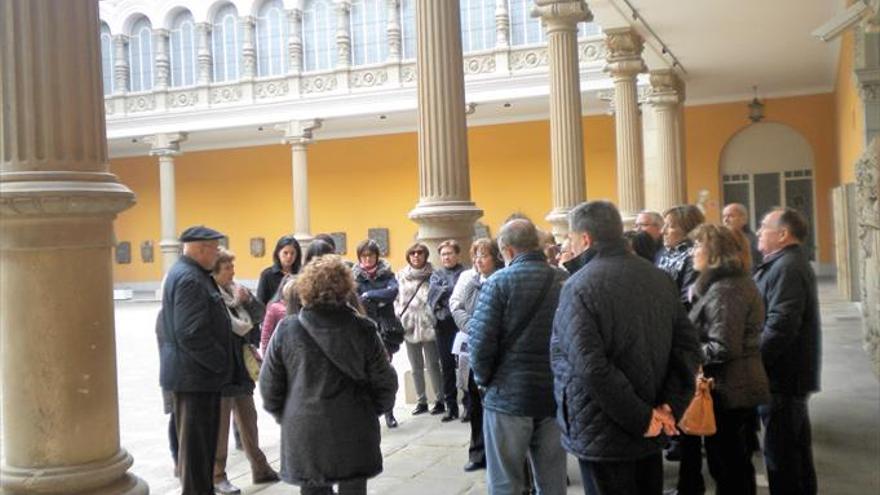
(226, 43)
(272, 35)
(408, 28)
(183, 50)
(368, 32)
(107, 59)
(319, 35)
(140, 55)
(477, 25)
(524, 29)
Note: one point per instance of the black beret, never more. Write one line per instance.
(200, 233)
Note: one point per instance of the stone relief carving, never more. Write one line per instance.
(591, 52)
(183, 99)
(226, 94)
(142, 103)
(318, 84)
(108, 107)
(271, 89)
(480, 64)
(369, 78)
(408, 74)
(528, 59)
(868, 218)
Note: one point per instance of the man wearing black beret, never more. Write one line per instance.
(195, 358)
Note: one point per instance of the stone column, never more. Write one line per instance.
(298, 134)
(166, 147)
(57, 205)
(295, 41)
(343, 35)
(206, 59)
(161, 59)
(665, 100)
(395, 43)
(248, 50)
(445, 209)
(624, 62)
(502, 37)
(121, 72)
(560, 18)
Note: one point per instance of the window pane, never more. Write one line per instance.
(226, 44)
(408, 28)
(477, 24)
(319, 35)
(182, 51)
(524, 29)
(271, 39)
(140, 56)
(107, 59)
(368, 31)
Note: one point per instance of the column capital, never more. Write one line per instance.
(666, 87)
(248, 20)
(869, 84)
(559, 15)
(624, 52)
(343, 5)
(165, 144)
(299, 131)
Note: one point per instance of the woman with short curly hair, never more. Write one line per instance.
(326, 379)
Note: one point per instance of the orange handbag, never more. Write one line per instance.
(699, 417)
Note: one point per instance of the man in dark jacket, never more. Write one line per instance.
(195, 359)
(442, 282)
(509, 339)
(790, 350)
(624, 357)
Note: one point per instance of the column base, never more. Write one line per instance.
(304, 240)
(558, 219)
(106, 477)
(446, 220)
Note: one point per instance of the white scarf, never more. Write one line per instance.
(242, 323)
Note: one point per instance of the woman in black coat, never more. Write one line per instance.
(325, 379)
(729, 315)
(676, 256)
(286, 260)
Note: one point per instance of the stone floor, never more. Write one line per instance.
(424, 456)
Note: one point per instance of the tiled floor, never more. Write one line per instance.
(425, 457)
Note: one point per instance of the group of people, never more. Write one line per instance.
(591, 348)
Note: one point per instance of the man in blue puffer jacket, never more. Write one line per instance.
(509, 341)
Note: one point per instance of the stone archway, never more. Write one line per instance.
(766, 165)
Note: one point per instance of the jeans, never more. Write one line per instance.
(420, 355)
(788, 449)
(446, 331)
(641, 476)
(353, 487)
(510, 440)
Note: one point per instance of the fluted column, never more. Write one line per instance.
(299, 134)
(248, 49)
(206, 59)
(393, 30)
(57, 205)
(161, 60)
(295, 41)
(664, 101)
(560, 18)
(445, 209)
(624, 62)
(166, 147)
(121, 71)
(343, 34)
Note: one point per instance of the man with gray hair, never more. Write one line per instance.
(651, 223)
(624, 357)
(509, 341)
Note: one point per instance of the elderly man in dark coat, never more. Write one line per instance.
(790, 342)
(195, 357)
(509, 338)
(624, 357)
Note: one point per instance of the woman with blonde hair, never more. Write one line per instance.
(326, 379)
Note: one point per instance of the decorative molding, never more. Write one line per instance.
(408, 74)
(226, 94)
(479, 64)
(867, 171)
(182, 99)
(318, 84)
(529, 59)
(592, 51)
(63, 198)
(271, 89)
(140, 103)
(109, 108)
(369, 78)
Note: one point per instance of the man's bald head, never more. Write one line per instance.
(519, 236)
(735, 216)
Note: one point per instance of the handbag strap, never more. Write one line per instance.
(518, 331)
(415, 293)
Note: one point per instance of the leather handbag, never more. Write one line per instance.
(699, 417)
(252, 360)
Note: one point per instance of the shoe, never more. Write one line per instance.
(226, 488)
(390, 420)
(438, 408)
(449, 416)
(268, 477)
(420, 409)
(474, 466)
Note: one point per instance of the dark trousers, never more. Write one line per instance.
(788, 446)
(354, 487)
(477, 449)
(198, 423)
(690, 467)
(172, 441)
(445, 332)
(728, 453)
(641, 477)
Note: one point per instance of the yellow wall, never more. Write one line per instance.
(358, 183)
(849, 115)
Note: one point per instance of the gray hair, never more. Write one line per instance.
(656, 217)
(738, 207)
(519, 234)
(599, 219)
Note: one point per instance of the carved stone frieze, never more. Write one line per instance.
(591, 52)
(183, 99)
(271, 89)
(408, 74)
(480, 64)
(226, 94)
(868, 219)
(319, 84)
(140, 103)
(369, 78)
(529, 59)
(108, 107)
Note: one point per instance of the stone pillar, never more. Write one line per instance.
(343, 34)
(206, 59)
(395, 43)
(248, 49)
(869, 91)
(162, 61)
(624, 62)
(445, 209)
(166, 147)
(121, 71)
(502, 24)
(57, 205)
(295, 41)
(560, 18)
(298, 134)
(665, 99)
